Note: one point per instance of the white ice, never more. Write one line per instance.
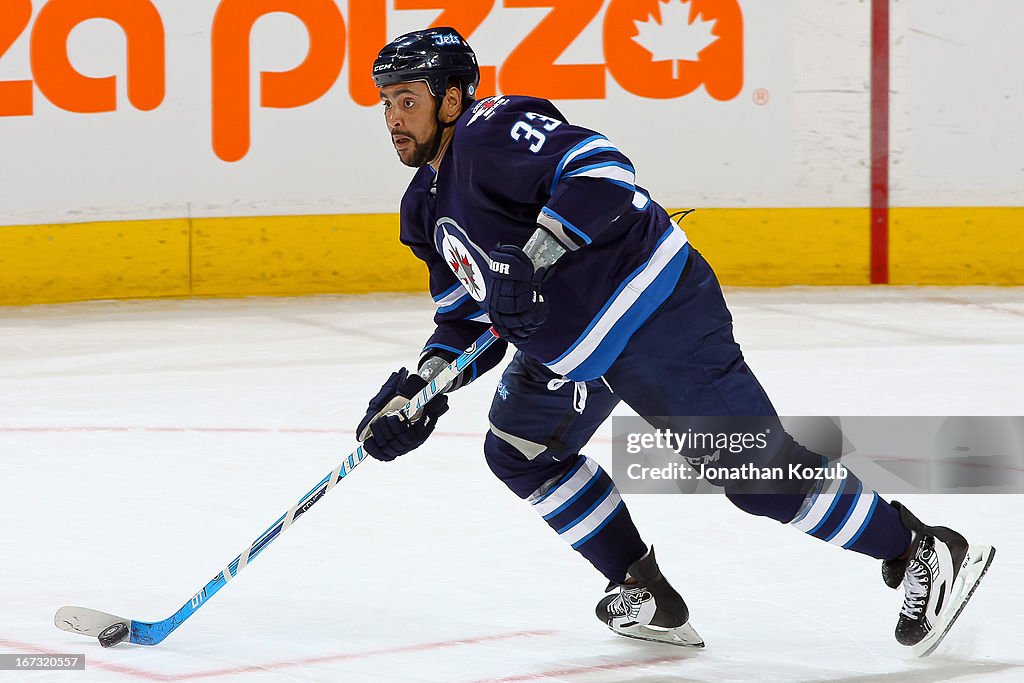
(145, 444)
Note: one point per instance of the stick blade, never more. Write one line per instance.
(85, 621)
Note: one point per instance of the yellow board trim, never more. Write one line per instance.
(776, 247)
(292, 255)
(108, 260)
(956, 246)
(356, 253)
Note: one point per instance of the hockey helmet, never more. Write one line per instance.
(433, 55)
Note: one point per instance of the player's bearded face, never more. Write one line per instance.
(411, 116)
(418, 152)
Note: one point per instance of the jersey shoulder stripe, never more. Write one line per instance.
(589, 147)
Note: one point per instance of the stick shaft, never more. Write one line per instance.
(146, 633)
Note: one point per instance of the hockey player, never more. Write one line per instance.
(536, 226)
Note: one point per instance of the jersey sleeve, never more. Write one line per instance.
(593, 184)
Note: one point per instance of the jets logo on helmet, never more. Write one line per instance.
(447, 39)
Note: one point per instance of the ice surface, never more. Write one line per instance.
(144, 444)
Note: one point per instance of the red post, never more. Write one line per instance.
(879, 142)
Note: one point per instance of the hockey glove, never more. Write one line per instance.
(385, 433)
(515, 302)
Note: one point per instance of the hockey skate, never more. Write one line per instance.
(939, 576)
(649, 609)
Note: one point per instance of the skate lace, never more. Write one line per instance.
(628, 601)
(915, 582)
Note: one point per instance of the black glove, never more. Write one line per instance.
(515, 302)
(386, 436)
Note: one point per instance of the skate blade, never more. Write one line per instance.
(976, 563)
(680, 636)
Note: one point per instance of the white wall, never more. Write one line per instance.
(958, 103)
(956, 118)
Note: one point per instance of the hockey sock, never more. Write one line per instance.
(585, 509)
(843, 512)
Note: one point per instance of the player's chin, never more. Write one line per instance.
(411, 157)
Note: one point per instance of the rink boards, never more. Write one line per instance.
(357, 253)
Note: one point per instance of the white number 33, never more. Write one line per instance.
(524, 131)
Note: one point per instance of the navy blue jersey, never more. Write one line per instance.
(515, 163)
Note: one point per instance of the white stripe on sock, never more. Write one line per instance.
(822, 504)
(860, 512)
(589, 470)
(594, 519)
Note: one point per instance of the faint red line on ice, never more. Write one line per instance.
(208, 430)
(115, 429)
(994, 307)
(89, 661)
(404, 649)
(932, 461)
(270, 666)
(575, 671)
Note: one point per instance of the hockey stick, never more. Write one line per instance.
(111, 629)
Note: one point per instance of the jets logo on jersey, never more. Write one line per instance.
(486, 108)
(455, 247)
(465, 270)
